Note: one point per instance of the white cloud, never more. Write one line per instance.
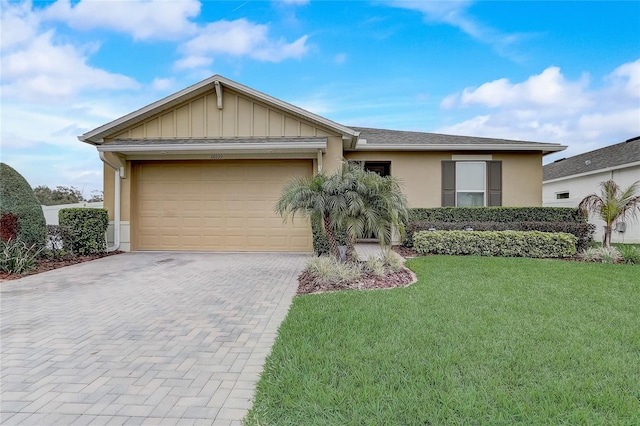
(162, 84)
(43, 70)
(146, 19)
(547, 89)
(17, 24)
(454, 13)
(340, 58)
(238, 38)
(548, 107)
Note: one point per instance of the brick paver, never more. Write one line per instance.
(142, 338)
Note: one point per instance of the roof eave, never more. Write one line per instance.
(228, 147)
(545, 149)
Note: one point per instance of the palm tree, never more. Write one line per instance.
(351, 201)
(612, 205)
(308, 197)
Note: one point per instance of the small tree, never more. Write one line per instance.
(612, 205)
(351, 201)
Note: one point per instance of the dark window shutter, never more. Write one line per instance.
(448, 184)
(494, 175)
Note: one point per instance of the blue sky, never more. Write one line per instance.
(545, 71)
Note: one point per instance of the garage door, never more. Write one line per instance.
(216, 206)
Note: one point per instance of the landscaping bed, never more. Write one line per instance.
(43, 265)
(307, 283)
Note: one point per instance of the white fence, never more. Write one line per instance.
(51, 212)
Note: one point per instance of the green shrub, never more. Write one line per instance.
(496, 243)
(630, 254)
(583, 231)
(87, 229)
(17, 198)
(16, 257)
(375, 266)
(391, 260)
(329, 270)
(602, 255)
(496, 214)
(56, 235)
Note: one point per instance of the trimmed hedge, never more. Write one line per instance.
(87, 229)
(17, 198)
(497, 214)
(582, 231)
(496, 243)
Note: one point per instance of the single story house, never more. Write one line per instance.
(567, 181)
(202, 168)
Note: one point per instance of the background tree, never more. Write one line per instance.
(60, 195)
(96, 196)
(612, 205)
(18, 200)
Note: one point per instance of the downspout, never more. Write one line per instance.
(116, 207)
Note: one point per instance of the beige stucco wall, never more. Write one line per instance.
(420, 173)
(521, 179)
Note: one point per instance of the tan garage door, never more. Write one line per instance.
(216, 206)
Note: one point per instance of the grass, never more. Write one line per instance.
(475, 341)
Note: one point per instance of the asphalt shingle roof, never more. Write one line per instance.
(400, 137)
(603, 158)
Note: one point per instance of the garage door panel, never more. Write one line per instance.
(222, 205)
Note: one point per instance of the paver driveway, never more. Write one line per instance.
(142, 338)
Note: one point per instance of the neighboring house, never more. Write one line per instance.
(51, 212)
(202, 169)
(567, 181)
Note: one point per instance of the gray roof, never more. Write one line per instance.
(400, 137)
(603, 158)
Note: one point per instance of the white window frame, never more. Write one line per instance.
(484, 184)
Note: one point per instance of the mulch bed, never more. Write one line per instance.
(307, 283)
(43, 265)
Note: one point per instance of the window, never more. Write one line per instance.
(471, 183)
(383, 168)
(562, 195)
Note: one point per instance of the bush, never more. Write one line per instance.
(17, 198)
(8, 226)
(601, 254)
(391, 260)
(582, 231)
(329, 270)
(87, 229)
(496, 214)
(630, 254)
(56, 235)
(16, 257)
(375, 266)
(496, 243)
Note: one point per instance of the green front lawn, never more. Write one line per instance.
(477, 340)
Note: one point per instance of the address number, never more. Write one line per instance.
(217, 156)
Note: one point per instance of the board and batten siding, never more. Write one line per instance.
(239, 117)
